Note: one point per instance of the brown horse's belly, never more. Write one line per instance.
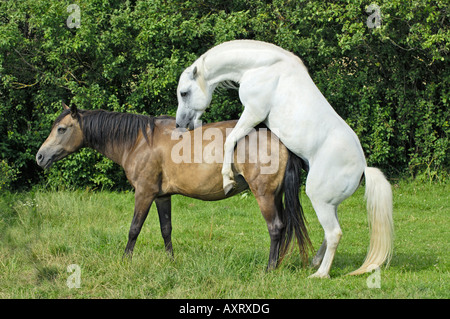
(201, 181)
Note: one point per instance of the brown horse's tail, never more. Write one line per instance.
(292, 212)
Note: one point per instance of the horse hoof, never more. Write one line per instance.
(228, 187)
(319, 275)
(127, 256)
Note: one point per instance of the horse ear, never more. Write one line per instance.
(65, 106)
(194, 73)
(73, 111)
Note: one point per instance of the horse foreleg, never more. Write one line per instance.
(319, 256)
(244, 126)
(143, 201)
(164, 207)
(227, 172)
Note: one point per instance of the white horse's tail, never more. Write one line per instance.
(379, 212)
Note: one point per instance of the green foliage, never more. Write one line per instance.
(8, 175)
(391, 83)
(86, 169)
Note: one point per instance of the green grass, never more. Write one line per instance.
(221, 248)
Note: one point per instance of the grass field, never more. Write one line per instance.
(221, 248)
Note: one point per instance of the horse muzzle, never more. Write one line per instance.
(45, 160)
(189, 126)
(185, 120)
(188, 120)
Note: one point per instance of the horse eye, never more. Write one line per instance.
(61, 130)
(183, 94)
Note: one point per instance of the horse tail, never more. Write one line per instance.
(379, 212)
(292, 212)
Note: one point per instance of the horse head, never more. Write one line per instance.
(65, 138)
(194, 96)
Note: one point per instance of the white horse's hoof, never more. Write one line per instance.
(228, 185)
(319, 275)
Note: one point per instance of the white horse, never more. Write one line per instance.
(276, 89)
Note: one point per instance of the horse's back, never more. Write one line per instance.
(198, 174)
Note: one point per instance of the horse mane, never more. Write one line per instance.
(101, 128)
(228, 84)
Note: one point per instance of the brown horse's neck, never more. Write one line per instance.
(114, 134)
(114, 152)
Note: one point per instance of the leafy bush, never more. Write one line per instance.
(8, 175)
(391, 83)
(86, 169)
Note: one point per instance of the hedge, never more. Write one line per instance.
(389, 82)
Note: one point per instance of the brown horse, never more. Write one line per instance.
(146, 149)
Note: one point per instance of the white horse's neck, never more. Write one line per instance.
(230, 60)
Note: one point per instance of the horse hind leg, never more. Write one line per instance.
(330, 181)
(327, 216)
(164, 207)
(275, 226)
(317, 260)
